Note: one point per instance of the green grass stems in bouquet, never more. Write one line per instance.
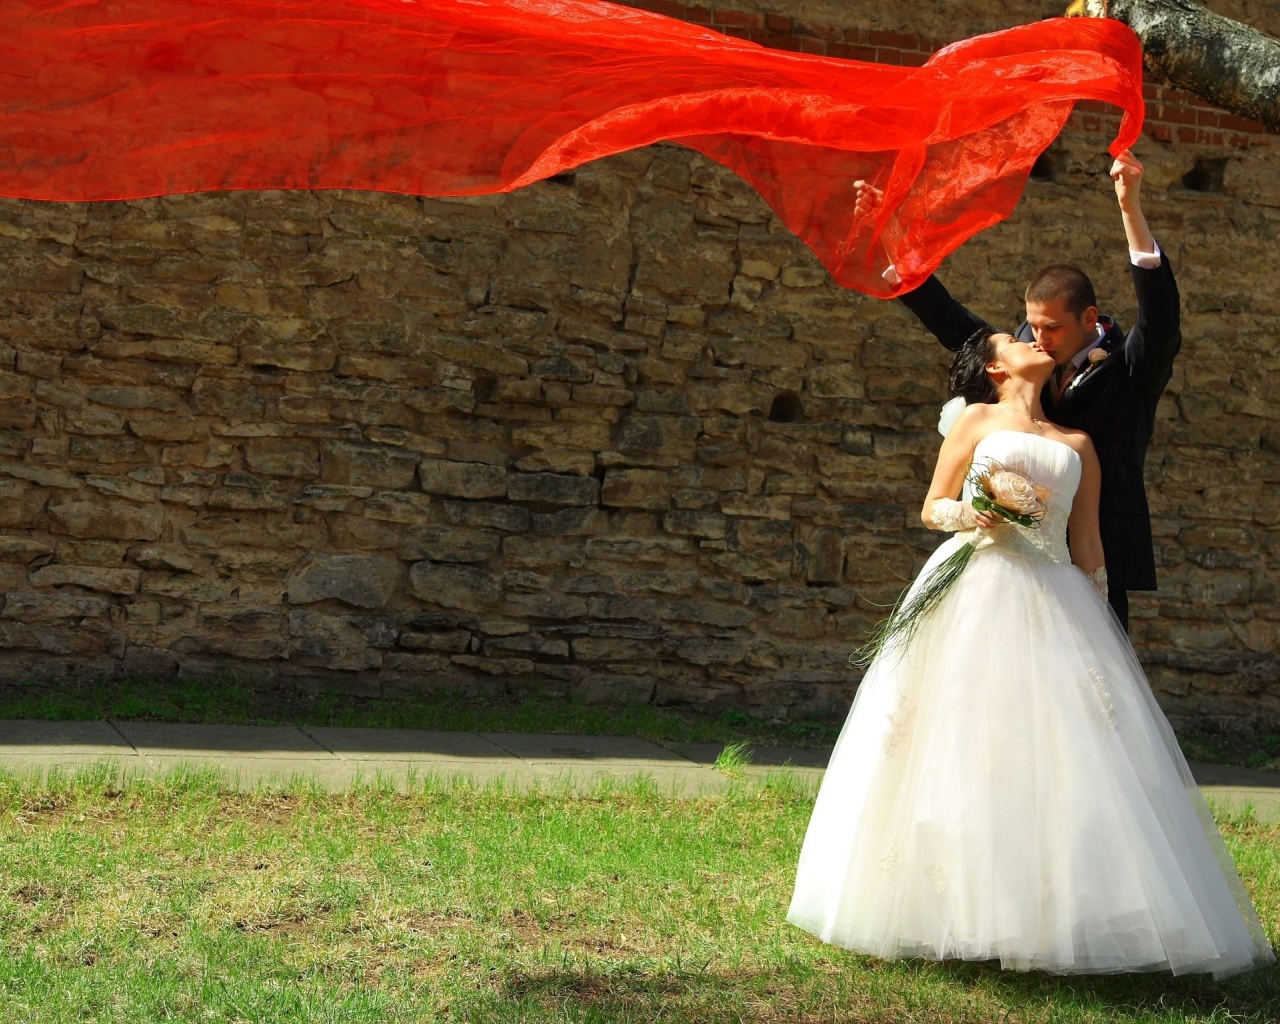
(996, 489)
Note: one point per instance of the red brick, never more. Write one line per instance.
(831, 33)
(897, 40)
(1160, 132)
(1200, 137)
(667, 7)
(698, 15)
(915, 59)
(1239, 124)
(1246, 141)
(776, 40)
(856, 35)
(738, 19)
(888, 55)
(810, 45)
(1207, 118)
(777, 23)
(849, 52)
(1175, 113)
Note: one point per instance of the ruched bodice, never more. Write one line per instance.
(1051, 464)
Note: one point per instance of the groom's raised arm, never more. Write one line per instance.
(943, 316)
(1155, 339)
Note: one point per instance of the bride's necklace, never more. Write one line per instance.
(1036, 421)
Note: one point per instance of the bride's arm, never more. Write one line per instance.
(1082, 526)
(948, 475)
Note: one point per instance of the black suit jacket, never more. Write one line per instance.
(1113, 401)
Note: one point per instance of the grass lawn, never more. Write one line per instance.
(237, 701)
(180, 901)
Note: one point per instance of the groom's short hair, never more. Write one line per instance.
(1061, 281)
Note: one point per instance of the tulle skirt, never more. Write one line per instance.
(1006, 788)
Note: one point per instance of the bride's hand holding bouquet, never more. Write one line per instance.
(1004, 495)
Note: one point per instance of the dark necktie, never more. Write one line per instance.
(1063, 376)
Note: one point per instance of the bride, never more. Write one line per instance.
(1006, 787)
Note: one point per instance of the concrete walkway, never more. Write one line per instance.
(252, 755)
(335, 758)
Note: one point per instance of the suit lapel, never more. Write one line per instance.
(1083, 382)
(1112, 340)
(1079, 383)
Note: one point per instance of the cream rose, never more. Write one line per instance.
(1015, 491)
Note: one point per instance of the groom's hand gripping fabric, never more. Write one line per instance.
(1127, 172)
(866, 199)
(866, 204)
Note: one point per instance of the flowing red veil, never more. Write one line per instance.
(112, 99)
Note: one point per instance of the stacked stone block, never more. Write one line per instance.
(608, 436)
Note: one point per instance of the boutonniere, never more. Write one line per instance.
(1095, 356)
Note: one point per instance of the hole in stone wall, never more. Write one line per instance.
(1207, 175)
(564, 178)
(785, 408)
(485, 386)
(1048, 166)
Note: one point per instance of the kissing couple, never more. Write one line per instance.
(1006, 787)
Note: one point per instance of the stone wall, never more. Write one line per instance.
(616, 435)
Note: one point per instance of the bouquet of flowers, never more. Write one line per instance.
(1007, 493)
(997, 490)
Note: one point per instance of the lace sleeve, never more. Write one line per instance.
(1099, 580)
(951, 515)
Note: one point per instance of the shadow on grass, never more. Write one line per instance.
(624, 992)
(1252, 997)
(860, 989)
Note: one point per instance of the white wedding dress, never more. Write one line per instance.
(1006, 787)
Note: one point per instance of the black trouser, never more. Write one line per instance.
(1119, 601)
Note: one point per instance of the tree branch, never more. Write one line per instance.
(1228, 64)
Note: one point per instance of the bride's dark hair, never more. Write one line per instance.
(968, 377)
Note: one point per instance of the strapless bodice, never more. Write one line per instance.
(1051, 464)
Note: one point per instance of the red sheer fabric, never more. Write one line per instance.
(125, 98)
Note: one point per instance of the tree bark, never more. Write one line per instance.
(1228, 64)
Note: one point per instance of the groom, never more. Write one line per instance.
(1106, 383)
